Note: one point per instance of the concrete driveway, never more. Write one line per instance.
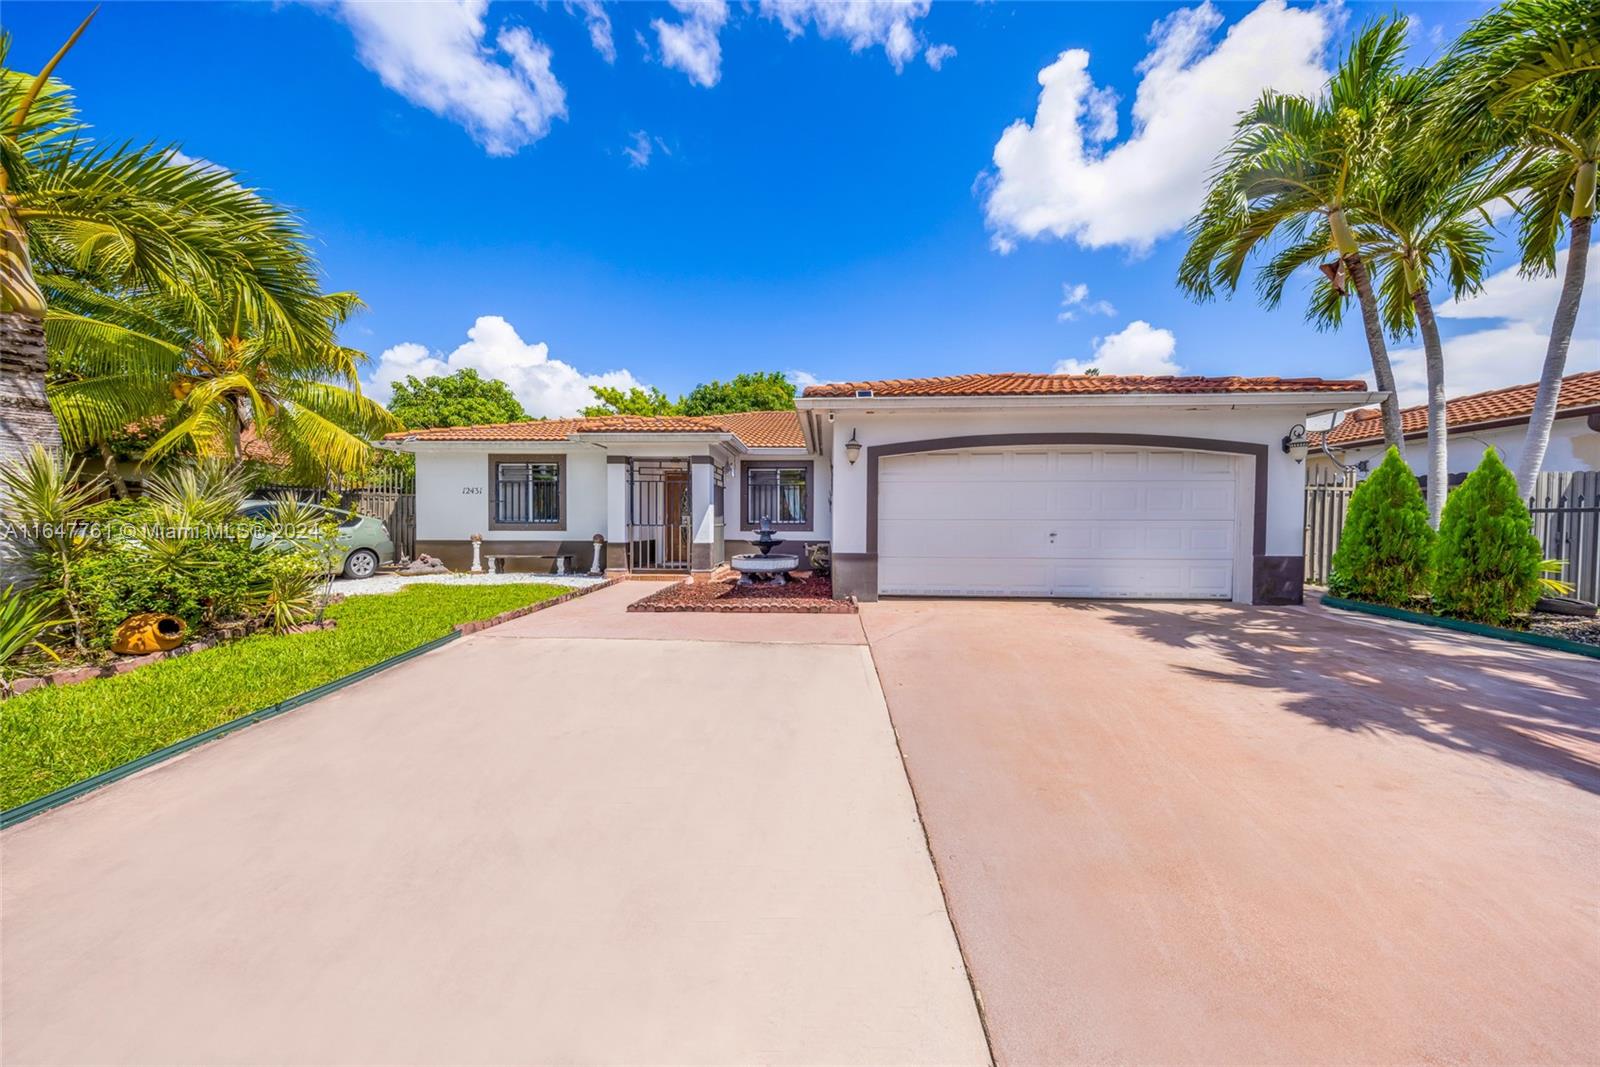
(1187, 833)
(582, 837)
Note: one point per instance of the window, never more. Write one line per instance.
(779, 491)
(527, 493)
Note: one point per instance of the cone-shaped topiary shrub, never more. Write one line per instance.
(1487, 560)
(1385, 553)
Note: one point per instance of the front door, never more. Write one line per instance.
(660, 526)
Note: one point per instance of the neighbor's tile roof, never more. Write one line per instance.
(757, 429)
(1080, 384)
(1512, 403)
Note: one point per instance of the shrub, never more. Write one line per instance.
(1385, 552)
(1488, 562)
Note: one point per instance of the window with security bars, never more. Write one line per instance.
(778, 493)
(527, 493)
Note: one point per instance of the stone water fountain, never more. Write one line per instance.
(764, 566)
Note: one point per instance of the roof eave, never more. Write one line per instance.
(1314, 401)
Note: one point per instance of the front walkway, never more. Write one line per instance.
(553, 841)
(1192, 833)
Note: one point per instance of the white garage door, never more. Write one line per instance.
(1057, 522)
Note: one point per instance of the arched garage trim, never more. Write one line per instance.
(1274, 579)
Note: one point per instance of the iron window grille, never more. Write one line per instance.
(778, 493)
(527, 493)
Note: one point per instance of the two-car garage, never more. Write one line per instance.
(1061, 522)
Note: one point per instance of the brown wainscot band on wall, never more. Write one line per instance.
(536, 557)
(1274, 579)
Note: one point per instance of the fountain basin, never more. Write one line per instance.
(754, 568)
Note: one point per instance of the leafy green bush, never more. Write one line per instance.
(1488, 562)
(1385, 553)
(216, 579)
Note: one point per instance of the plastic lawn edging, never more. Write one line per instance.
(1560, 644)
(23, 812)
(38, 805)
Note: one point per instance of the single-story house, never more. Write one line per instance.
(1495, 419)
(974, 485)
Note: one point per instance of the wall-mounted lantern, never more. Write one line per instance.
(852, 448)
(1296, 444)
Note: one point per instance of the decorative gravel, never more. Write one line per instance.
(1567, 627)
(389, 583)
(805, 594)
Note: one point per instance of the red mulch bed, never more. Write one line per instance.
(804, 593)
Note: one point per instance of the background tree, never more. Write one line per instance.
(635, 401)
(757, 391)
(1296, 170)
(460, 399)
(1526, 78)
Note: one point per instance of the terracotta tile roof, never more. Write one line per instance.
(1512, 403)
(756, 429)
(1079, 384)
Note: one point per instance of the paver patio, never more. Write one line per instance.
(1191, 833)
(550, 842)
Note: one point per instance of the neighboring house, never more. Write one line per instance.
(1497, 418)
(980, 485)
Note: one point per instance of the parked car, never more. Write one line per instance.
(363, 539)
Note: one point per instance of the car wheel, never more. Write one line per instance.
(362, 563)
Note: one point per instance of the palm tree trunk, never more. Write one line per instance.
(25, 415)
(1543, 418)
(1438, 430)
(1382, 371)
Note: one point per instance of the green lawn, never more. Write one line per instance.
(53, 737)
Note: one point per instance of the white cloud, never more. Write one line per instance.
(803, 378)
(1075, 300)
(692, 45)
(545, 386)
(599, 25)
(1510, 351)
(936, 55)
(1138, 349)
(437, 56)
(1057, 177)
(863, 23)
(641, 146)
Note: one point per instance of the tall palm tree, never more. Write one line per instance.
(131, 218)
(1296, 170)
(1526, 78)
(1429, 224)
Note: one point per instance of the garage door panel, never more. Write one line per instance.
(925, 576)
(1125, 523)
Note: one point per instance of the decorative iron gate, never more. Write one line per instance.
(660, 515)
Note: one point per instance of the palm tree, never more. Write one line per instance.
(1297, 170)
(1425, 223)
(261, 357)
(1525, 78)
(131, 219)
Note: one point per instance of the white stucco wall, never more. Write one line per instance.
(454, 495)
(1573, 447)
(1265, 424)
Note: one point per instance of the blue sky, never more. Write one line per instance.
(638, 192)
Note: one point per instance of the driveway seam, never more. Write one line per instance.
(927, 843)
